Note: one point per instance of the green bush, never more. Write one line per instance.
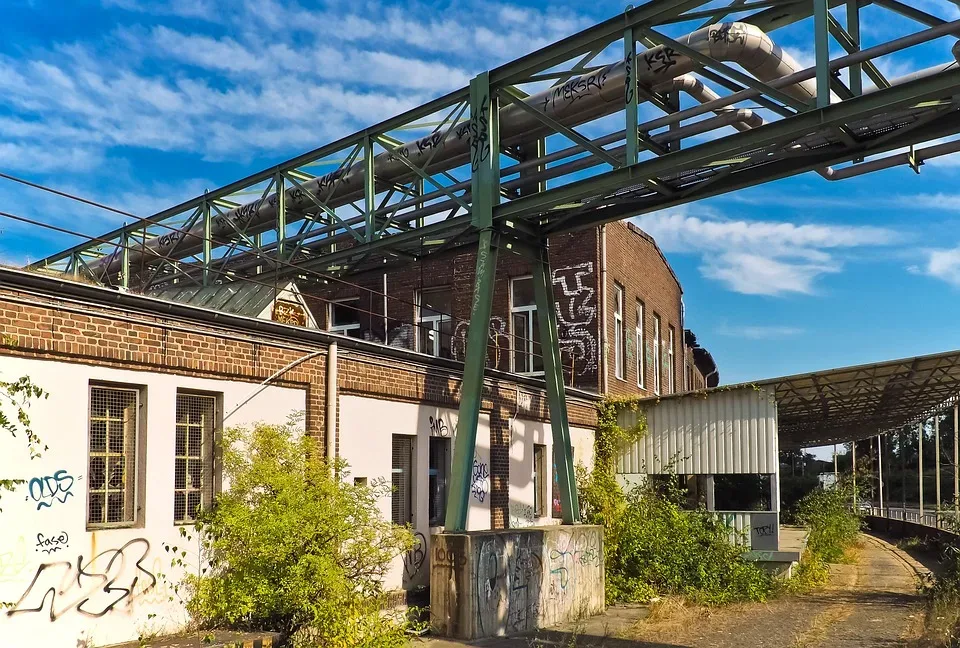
(833, 520)
(652, 546)
(291, 547)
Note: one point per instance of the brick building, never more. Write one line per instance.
(619, 306)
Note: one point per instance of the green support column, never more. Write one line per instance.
(630, 95)
(125, 259)
(853, 29)
(485, 189)
(553, 375)
(207, 244)
(822, 46)
(281, 214)
(369, 189)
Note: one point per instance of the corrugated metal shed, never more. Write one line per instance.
(733, 431)
(239, 298)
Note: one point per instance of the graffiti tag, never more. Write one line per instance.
(52, 544)
(50, 488)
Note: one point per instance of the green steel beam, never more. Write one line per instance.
(853, 32)
(790, 13)
(631, 97)
(125, 256)
(485, 190)
(910, 12)
(821, 38)
(369, 190)
(553, 376)
(207, 243)
(281, 214)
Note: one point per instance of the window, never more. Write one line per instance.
(688, 378)
(557, 508)
(343, 317)
(113, 470)
(402, 479)
(671, 367)
(656, 354)
(439, 472)
(434, 322)
(619, 355)
(193, 469)
(539, 478)
(526, 356)
(641, 343)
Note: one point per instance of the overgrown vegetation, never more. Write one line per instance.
(292, 547)
(943, 594)
(652, 545)
(15, 399)
(833, 519)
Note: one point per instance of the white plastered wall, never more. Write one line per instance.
(53, 607)
(366, 430)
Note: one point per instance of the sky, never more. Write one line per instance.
(144, 103)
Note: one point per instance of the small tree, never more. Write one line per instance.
(17, 396)
(290, 547)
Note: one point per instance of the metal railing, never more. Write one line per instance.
(930, 519)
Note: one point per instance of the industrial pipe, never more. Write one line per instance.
(578, 100)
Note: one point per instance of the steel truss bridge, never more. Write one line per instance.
(669, 103)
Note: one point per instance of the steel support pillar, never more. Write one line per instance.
(853, 29)
(956, 459)
(903, 471)
(485, 189)
(920, 465)
(880, 470)
(278, 186)
(125, 257)
(836, 474)
(631, 96)
(207, 245)
(369, 190)
(553, 375)
(936, 450)
(853, 471)
(821, 41)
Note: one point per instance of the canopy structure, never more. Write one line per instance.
(850, 403)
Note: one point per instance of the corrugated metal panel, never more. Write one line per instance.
(725, 432)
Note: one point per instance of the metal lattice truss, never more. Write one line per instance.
(850, 403)
(645, 111)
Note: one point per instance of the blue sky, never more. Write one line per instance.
(144, 103)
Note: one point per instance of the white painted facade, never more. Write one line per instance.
(71, 586)
(366, 431)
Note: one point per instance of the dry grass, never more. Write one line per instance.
(821, 624)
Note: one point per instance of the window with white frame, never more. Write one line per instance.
(438, 474)
(114, 430)
(641, 344)
(434, 322)
(402, 478)
(343, 317)
(671, 367)
(539, 480)
(656, 354)
(194, 479)
(527, 357)
(619, 341)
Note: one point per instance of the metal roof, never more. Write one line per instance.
(239, 297)
(848, 403)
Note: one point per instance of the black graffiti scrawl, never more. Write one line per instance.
(93, 587)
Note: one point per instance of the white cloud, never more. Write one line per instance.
(943, 264)
(756, 257)
(760, 332)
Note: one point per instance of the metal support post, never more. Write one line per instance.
(369, 190)
(956, 459)
(125, 257)
(822, 48)
(207, 244)
(631, 96)
(553, 375)
(920, 465)
(853, 471)
(485, 189)
(872, 462)
(853, 29)
(281, 215)
(880, 470)
(903, 471)
(836, 474)
(936, 450)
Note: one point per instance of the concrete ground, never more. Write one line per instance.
(871, 603)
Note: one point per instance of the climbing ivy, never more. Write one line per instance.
(15, 399)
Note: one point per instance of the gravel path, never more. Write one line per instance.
(871, 603)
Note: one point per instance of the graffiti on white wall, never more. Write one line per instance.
(499, 341)
(91, 587)
(576, 315)
(46, 490)
(480, 481)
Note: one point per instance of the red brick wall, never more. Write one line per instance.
(49, 327)
(634, 262)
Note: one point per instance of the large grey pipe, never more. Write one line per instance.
(576, 101)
